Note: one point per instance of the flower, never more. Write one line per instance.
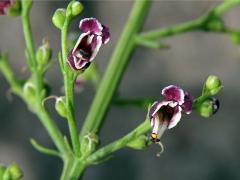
(4, 5)
(167, 113)
(89, 42)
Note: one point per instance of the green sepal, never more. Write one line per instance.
(60, 106)
(139, 143)
(30, 91)
(89, 144)
(15, 9)
(43, 54)
(205, 109)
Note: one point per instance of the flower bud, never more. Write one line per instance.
(214, 23)
(235, 37)
(13, 172)
(89, 143)
(2, 171)
(29, 91)
(139, 143)
(209, 107)
(60, 107)
(44, 53)
(59, 18)
(212, 85)
(77, 8)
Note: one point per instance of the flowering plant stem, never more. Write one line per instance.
(39, 110)
(68, 84)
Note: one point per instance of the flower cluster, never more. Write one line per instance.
(94, 35)
(167, 113)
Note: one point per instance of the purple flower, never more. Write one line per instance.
(89, 42)
(167, 113)
(4, 5)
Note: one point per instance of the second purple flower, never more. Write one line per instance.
(89, 42)
(167, 113)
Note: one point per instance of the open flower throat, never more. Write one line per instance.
(167, 113)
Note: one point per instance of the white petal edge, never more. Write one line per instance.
(98, 23)
(181, 93)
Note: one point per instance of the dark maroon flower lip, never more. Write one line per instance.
(89, 42)
(4, 5)
(167, 113)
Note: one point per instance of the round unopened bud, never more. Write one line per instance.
(212, 85)
(235, 37)
(77, 8)
(13, 172)
(44, 53)
(59, 18)
(214, 23)
(139, 143)
(209, 107)
(60, 107)
(2, 170)
(29, 90)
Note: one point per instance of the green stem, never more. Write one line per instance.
(51, 128)
(69, 85)
(78, 169)
(225, 6)
(27, 30)
(116, 68)
(120, 143)
(10, 76)
(138, 102)
(73, 169)
(177, 29)
(67, 164)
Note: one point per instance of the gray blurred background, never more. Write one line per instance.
(196, 149)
